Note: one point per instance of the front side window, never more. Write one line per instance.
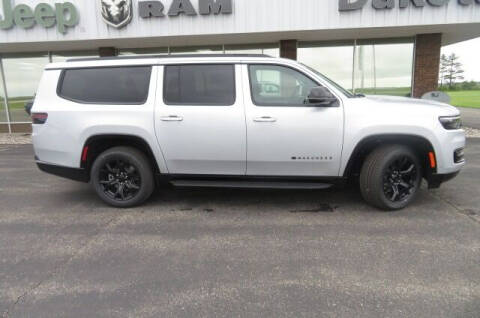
(274, 85)
(208, 84)
(106, 85)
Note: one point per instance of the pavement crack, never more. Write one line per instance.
(60, 267)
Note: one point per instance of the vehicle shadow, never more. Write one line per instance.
(295, 201)
(217, 199)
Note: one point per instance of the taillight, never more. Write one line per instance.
(39, 118)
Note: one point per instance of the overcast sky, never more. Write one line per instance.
(469, 52)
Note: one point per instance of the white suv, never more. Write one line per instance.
(129, 124)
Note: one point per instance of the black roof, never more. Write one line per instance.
(109, 58)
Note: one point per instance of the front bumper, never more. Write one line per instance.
(435, 180)
(449, 142)
(75, 174)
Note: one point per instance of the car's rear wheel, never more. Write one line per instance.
(391, 177)
(122, 177)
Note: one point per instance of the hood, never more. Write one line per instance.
(413, 102)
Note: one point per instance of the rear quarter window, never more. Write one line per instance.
(106, 85)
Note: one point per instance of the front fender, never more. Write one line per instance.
(355, 140)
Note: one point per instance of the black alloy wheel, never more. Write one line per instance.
(120, 180)
(391, 176)
(122, 177)
(399, 179)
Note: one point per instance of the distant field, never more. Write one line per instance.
(16, 103)
(17, 112)
(465, 98)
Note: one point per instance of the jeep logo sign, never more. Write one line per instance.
(350, 5)
(62, 14)
(115, 13)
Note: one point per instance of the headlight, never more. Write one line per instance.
(451, 122)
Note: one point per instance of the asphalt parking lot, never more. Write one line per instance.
(235, 253)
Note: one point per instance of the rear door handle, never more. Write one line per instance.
(265, 119)
(171, 118)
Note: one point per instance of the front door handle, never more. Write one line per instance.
(171, 118)
(265, 119)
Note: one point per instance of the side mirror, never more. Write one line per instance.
(320, 96)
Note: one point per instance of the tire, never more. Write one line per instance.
(391, 177)
(122, 177)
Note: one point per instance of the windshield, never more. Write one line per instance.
(340, 88)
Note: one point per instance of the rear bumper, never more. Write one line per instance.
(75, 174)
(435, 180)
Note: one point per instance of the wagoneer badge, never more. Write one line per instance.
(117, 13)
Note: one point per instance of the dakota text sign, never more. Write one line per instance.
(350, 5)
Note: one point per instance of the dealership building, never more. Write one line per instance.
(367, 46)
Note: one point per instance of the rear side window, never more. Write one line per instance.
(106, 85)
(209, 84)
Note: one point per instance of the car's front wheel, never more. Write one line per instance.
(122, 177)
(391, 177)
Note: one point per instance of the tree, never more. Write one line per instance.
(469, 86)
(451, 70)
(443, 69)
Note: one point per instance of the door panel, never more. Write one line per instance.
(197, 131)
(286, 138)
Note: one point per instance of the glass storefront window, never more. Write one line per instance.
(22, 75)
(146, 51)
(270, 49)
(63, 56)
(383, 68)
(332, 59)
(380, 66)
(3, 115)
(215, 49)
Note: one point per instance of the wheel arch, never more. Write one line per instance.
(421, 145)
(97, 144)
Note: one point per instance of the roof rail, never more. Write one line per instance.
(163, 57)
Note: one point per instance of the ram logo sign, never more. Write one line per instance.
(116, 13)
